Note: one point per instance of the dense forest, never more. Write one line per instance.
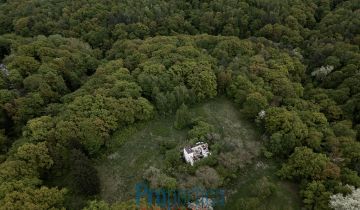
(72, 73)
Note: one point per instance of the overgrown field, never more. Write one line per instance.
(136, 149)
(244, 192)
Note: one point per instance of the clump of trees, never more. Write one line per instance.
(41, 71)
(74, 72)
(21, 182)
(305, 164)
(169, 76)
(350, 201)
(93, 112)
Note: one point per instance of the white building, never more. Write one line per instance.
(199, 151)
(202, 203)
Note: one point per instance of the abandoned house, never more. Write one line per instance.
(197, 152)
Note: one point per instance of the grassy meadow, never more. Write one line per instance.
(132, 150)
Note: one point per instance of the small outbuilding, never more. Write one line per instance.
(195, 153)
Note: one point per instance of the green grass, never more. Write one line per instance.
(285, 196)
(138, 149)
(133, 150)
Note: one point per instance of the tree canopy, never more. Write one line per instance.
(72, 73)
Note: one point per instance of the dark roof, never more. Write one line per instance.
(188, 150)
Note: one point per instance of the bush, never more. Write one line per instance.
(158, 179)
(200, 129)
(173, 158)
(183, 117)
(166, 145)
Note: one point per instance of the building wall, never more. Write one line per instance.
(188, 157)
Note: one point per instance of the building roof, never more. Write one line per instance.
(188, 150)
(199, 151)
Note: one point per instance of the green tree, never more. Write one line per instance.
(315, 196)
(35, 155)
(183, 117)
(84, 175)
(34, 199)
(203, 84)
(40, 129)
(97, 205)
(223, 80)
(200, 129)
(24, 64)
(240, 87)
(255, 102)
(305, 164)
(278, 119)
